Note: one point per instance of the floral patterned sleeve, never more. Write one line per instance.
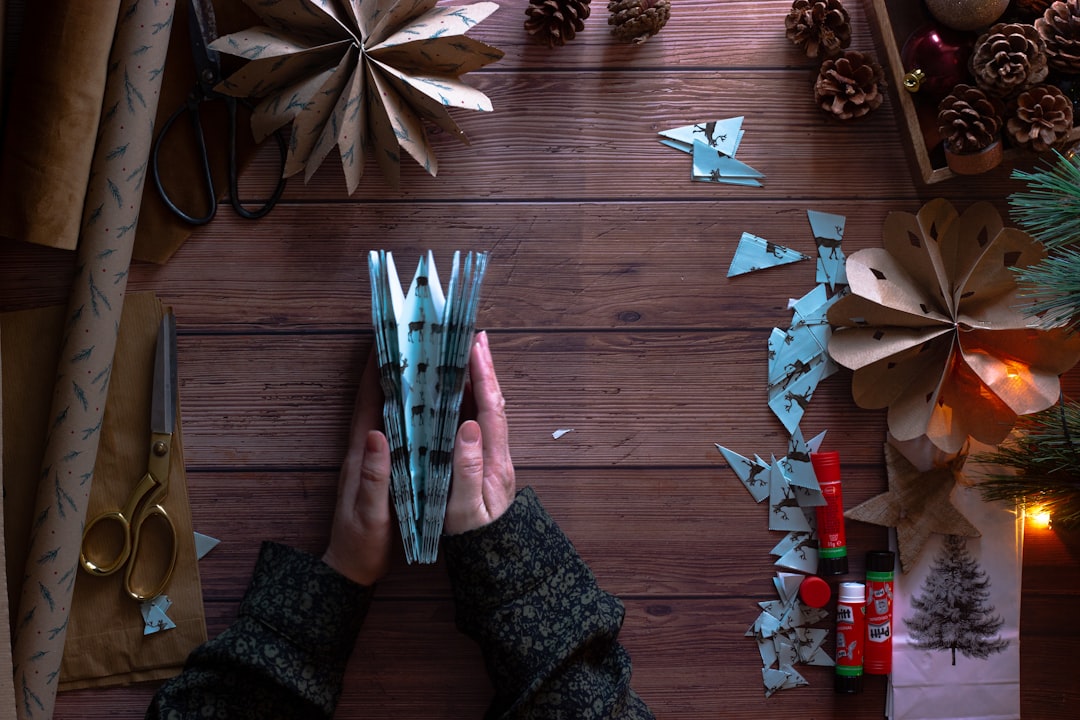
(548, 633)
(285, 655)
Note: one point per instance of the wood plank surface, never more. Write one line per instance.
(609, 312)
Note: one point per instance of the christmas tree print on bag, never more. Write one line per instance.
(953, 611)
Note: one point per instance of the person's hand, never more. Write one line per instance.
(360, 535)
(483, 485)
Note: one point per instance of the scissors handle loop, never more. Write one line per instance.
(191, 107)
(91, 560)
(137, 586)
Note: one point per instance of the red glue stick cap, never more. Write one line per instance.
(815, 592)
(826, 465)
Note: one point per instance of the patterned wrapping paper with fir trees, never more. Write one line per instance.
(364, 75)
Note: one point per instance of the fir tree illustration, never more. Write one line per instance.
(953, 611)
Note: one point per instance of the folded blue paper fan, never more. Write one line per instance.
(423, 339)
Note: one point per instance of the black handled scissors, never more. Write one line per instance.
(99, 554)
(203, 26)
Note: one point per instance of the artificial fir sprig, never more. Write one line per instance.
(1053, 284)
(1046, 461)
(1050, 209)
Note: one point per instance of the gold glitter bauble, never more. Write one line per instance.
(967, 14)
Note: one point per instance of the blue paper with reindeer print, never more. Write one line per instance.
(423, 338)
(713, 144)
(755, 253)
(828, 232)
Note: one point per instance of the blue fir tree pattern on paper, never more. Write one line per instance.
(953, 611)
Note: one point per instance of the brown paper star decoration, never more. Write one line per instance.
(917, 505)
(935, 331)
(363, 75)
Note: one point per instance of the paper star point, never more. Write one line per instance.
(917, 504)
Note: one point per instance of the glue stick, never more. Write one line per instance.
(832, 541)
(850, 634)
(879, 611)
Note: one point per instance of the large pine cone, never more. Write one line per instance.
(1059, 28)
(968, 120)
(1008, 58)
(819, 27)
(1041, 119)
(556, 22)
(635, 21)
(850, 86)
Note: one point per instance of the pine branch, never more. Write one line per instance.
(1046, 463)
(1050, 209)
(1054, 287)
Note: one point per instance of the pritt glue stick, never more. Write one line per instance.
(850, 635)
(879, 611)
(832, 541)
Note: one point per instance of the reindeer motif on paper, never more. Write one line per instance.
(803, 401)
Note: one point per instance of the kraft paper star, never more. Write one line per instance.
(936, 331)
(917, 505)
(364, 75)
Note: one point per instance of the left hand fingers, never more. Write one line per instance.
(367, 412)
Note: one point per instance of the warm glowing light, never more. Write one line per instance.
(1039, 517)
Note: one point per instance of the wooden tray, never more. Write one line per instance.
(892, 22)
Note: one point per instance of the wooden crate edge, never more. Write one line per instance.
(882, 28)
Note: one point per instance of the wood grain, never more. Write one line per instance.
(609, 312)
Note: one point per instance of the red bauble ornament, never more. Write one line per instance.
(935, 60)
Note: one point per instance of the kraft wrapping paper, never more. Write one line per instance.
(161, 233)
(49, 144)
(110, 218)
(53, 120)
(105, 642)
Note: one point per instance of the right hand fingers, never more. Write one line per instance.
(484, 482)
(490, 408)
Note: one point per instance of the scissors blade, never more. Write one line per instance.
(163, 404)
(203, 26)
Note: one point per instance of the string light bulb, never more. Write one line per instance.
(1040, 517)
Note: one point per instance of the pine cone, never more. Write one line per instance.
(635, 21)
(850, 86)
(819, 27)
(556, 21)
(1059, 28)
(1041, 118)
(968, 120)
(1008, 58)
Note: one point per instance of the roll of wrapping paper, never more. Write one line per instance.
(53, 118)
(110, 217)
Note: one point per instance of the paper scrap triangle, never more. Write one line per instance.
(754, 474)
(712, 145)
(204, 544)
(711, 165)
(756, 253)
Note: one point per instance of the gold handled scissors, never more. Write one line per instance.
(104, 550)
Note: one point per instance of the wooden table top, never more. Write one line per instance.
(609, 312)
